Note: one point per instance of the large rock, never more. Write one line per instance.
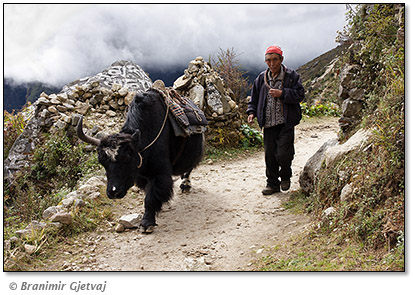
(355, 142)
(214, 100)
(351, 108)
(327, 154)
(312, 167)
(197, 94)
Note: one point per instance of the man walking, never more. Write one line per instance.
(275, 102)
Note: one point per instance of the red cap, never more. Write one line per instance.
(274, 49)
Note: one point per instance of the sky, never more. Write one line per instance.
(59, 43)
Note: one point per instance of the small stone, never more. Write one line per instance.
(119, 228)
(43, 100)
(29, 249)
(129, 98)
(62, 96)
(62, 217)
(50, 212)
(111, 113)
(114, 104)
(52, 109)
(123, 91)
(78, 203)
(67, 202)
(346, 192)
(130, 220)
(329, 211)
(259, 251)
(115, 87)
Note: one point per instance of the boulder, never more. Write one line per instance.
(312, 167)
(358, 140)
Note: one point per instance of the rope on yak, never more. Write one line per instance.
(157, 137)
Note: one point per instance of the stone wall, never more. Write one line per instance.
(102, 99)
(206, 88)
(351, 97)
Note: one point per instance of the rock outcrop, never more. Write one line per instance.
(328, 153)
(351, 97)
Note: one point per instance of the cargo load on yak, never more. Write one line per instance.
(185, 117)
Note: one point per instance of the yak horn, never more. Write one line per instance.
(83, 137)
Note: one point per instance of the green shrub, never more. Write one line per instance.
(57, 165)
(57, 159)
(318, 110)
(251, 137)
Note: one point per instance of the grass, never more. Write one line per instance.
(49, 241)
(322, 250)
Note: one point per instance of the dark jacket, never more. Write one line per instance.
(292, 95)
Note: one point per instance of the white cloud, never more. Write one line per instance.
(59, 43)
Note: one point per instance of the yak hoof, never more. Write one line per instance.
(185, 188)
(147, 230)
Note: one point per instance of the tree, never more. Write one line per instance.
(231, 72)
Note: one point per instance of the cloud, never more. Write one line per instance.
(58, 43)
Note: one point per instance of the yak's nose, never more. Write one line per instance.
(114, 193)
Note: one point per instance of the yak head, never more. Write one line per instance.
(118, 155)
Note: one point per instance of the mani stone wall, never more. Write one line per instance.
(206, 88)
(102, 99)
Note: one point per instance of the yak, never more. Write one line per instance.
(146, 152)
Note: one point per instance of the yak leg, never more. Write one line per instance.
(158, 191)
(186, 185)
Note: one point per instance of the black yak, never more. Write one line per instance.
(147, 153)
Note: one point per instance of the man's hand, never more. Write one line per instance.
(275, 92)
(251, 118)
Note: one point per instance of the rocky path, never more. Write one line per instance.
(223, 224)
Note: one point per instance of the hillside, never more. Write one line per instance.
(316, 67)
(17, 95)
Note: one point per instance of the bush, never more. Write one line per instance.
(58, 160)
(231, 72)
(14, 125)
(57, 166)
(251, 137)
(317, 110)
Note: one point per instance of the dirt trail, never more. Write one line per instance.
(223, 224)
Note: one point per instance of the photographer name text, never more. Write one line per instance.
(77, 286)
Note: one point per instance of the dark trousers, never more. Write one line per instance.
(279, 153)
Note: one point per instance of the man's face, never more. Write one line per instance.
(273, 61)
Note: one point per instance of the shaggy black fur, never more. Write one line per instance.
(118, 153)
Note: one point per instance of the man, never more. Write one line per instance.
(275, 102)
